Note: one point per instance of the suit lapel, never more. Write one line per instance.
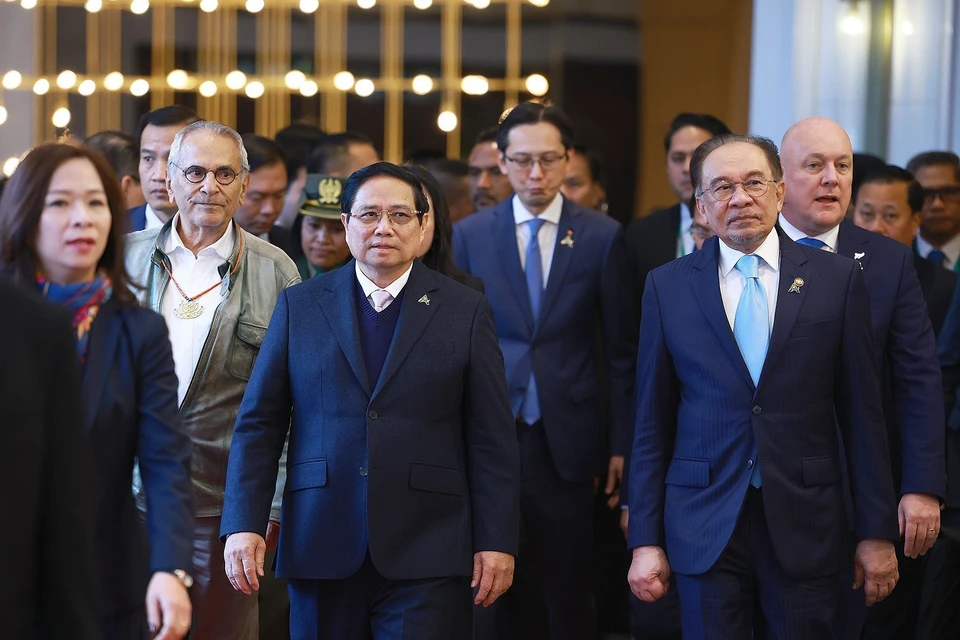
(570, 225)
(793, 265)
(849, 245)
(337, 296)
(413, 319)
(101, 349)
(707, 288)
(505, 232)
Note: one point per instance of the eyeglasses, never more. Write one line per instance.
(197, 174)
(724, 190)
(547, 161)
(947, 194)
(399, 217)
(701, 231)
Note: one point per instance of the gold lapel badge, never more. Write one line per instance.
(568, 239)
(795, 287)
(424, 300)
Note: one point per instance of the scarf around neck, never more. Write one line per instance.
(83, 300)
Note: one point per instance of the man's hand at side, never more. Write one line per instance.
(875, 567)
(649, 575)
(493, 572)
(243, 560)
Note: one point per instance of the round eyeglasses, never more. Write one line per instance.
(399, 217)
(724, 189)
(197, 174)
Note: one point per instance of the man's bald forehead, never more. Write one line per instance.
(814, 127)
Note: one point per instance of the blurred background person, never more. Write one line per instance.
(453, 178)
(938, 240)
(699, 229)
(62, 219)
(488, 185)
(436, 247)
(296, 142)
(120, 150)
(318, 233)
(585, 181)
(263, 202)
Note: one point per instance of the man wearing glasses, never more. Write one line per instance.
(757, 376)
(938, 240)
(554, 274)
(403, 479)
(216, 285)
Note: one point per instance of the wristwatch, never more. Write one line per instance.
(184, 577)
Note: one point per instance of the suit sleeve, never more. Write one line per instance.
(461, 256)
(67, 605)
(262, 425)
(658, 393)
(163, 451)
(620, 342)
(861, 422)
(917, 388)
(493, 457)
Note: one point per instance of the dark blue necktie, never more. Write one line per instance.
(812, 242)
(530, 406)
(936, 257)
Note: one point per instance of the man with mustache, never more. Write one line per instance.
(216, 286)
(818, 172)
(488, 185)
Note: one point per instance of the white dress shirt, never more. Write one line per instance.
(951, 250)
(732, 281)
(685, 244)
(829, 238)
(547, 238)
(193, 274)
(394, 288)
(153, 221)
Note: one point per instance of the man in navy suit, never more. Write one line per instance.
(817, 159)
(554, 273)
(403, 473)
(155, 133)
(754, 350)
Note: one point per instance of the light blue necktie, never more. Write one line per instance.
(812, 242)
(751, 327)
(530, 406)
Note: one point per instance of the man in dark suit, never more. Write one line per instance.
(263, 202)
(817, 158)
(554, 272)
(46, 477)
(889, 201)
(663, 235)
(403, 476)
(155, 133)
(754, 351)
(938, 240)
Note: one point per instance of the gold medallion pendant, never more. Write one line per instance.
(188, 310)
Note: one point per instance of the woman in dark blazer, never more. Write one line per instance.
(437, 245)
(62, 219)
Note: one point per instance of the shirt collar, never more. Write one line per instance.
(394, 288)
(222, 248)
(769, 252)
(551, 214)
(951, 249)
(829, 238)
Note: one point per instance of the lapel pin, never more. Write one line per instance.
(568, 239)
(857, 256)
(424, 300)
(795, 287)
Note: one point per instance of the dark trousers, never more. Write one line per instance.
(894, 617)
(939, 615)
(219, 612)
(273, 602)
(130, 624)
(746, 594)
(658, 620)
(551, 597)
(367, 606)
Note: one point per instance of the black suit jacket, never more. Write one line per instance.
(937, 285)
(45, 477)
(283, 240)
(130, 411)
(651, 242)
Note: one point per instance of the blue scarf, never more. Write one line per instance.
(83, 301)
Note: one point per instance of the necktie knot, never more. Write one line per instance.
(535, 225)
(812, 242)
(936, 257)
(380, 299)
(749, 266)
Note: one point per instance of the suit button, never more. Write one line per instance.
(372, 415)
(363, 471)
(756, 410)
(749, 464)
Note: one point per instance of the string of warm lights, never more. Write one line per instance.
(140, 7)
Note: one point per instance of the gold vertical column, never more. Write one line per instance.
(281, 97)
(46, 39)
(273, 59)
(161, 54)
(391, 70)
(108, 102)
(514, 11)
(450, 55)
(226, 48)
(264, 51)
(94, 68)
(331, 42)
(208, 62)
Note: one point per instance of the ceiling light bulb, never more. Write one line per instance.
(3, 114)
(343, 81)
(254, 90)
(447, 121)
(853, 25)
(41, 86)
(113, 81)
(209, 6)
(366, 4)
(309, 88)
(12, 79)
(87, 88)
(10, 165)
(139, 7)
(207, 89)
(539, 3)
(422, 4)
(537, 85)
(61, 117)
(309, 6)
(93, 6)
(139, 87)
(235, 80)
(28, 4)
(178, 79)
(422, 84)
(294, 79)
(364, 87)
(255, 6)
(480, 4)
(474, 85)
(66, 79)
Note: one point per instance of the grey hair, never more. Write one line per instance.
(211, 127)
